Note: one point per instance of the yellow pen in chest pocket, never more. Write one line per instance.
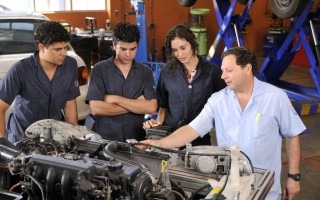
(258, 116)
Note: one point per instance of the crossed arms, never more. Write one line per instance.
(116, 105)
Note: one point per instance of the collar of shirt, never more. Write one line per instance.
(197, 71)
(258, 89)
(134, 63)
(35, 60)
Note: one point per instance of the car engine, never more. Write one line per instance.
(60, 160)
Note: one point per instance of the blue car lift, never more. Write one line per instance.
(274, 67)
(230, 26)
(139, 6)
(142, 53)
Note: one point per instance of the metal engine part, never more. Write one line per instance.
(72, 176)
(60, 160)
(214, 159)
(50, 177)
(158, 132)
(49, 129)
(192, 168)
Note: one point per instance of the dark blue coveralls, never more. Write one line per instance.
(36, 97)
(106, 78)
(184, 100)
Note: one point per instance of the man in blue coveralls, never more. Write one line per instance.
(122, 91)
(42, 85)
(252, 115)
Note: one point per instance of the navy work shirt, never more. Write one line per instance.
(184, 100)
(36, 97)
(106, 78)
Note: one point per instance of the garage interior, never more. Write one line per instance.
(288, 56)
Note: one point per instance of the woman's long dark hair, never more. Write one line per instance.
(182, 32)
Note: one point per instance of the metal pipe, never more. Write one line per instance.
(315, 40)
(35, 186)
(7, 154)
(236, 33)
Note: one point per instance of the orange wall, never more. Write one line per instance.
(166, 13)
(78, 19)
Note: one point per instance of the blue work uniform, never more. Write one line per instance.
(107, 79)
(258, 130)
(35, 96)
(184, 100)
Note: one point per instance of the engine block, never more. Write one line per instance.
(58, 160)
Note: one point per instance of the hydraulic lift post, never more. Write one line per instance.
(142, 53)
(274, 66)
(230, 26)
(139, 6)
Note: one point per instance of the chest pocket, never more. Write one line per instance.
(264, 126)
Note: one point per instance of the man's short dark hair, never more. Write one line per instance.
(50, 32)
(243, 56)
(126, 32)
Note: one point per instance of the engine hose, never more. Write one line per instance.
(226, 181)
(179, 196)
(34, 180)
(50, 183)
(36, 175)
(54, 147)
(44, 147)
(65, 185)
(109, 150)
(30, 195)
(176, 188)
(198, 190)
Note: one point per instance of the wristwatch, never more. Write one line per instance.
(295, 177)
